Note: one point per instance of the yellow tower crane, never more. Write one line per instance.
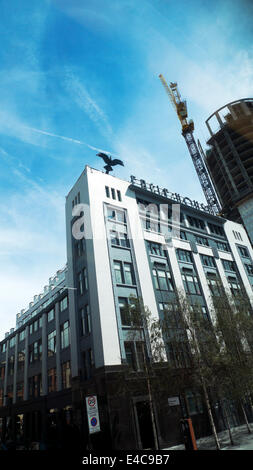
(187, 131)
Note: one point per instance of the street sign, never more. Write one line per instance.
(173, 401)
(92, 414)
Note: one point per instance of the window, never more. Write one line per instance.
(183, 235)
(113, 193)
(216, 229)
(162, 280)
(123, 240)
(201, 241)
(179, 354)
(129, 312)
(2, 370)
(90, 359)
(124, 311)
(64, 304)
(234, 285)
(79, 247)
(116, 214)
(152, 225)
(85, 278)
(119, 238)
(85, 320)
(243, 251)
(80, 284)
(3, 347)
(208, 261)
(35, 351)
(22, 335)
(228, 265)
(135, 354)
(214, 284)
(66, 375)
(194, 401)
(21, 360)
(130, 356)
(11, 365)
(114, 237)
(190, 281)
(184, 255)
(140, 354)
(123, 273)
(52, 385)
(155, 248)
(128, 274)
(107, 191)
(237, 235)
(20, 391)
(50, 315)
(249, 268)
(118, 272)
(197, 223)
(222, 246)
(119, 195)
(65, 337)
(35, 386)
(12, 341)
(51, 343)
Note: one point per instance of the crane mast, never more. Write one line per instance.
(187, 131)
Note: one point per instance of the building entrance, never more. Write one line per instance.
(146, 432)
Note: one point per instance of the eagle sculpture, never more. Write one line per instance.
(109, 162)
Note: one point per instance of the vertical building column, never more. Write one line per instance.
(44, 355)
(222, 275)
(15, 370)
(73, 331)
(6, 372)
(204, 285)
(58, 347)
(26, 391)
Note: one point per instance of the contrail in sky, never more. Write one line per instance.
(69, 139)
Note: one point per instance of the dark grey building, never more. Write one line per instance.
(230, 160)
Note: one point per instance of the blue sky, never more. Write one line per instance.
(81, 75)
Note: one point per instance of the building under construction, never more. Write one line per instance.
(230, 160)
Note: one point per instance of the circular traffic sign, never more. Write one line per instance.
(92, 401)
(93, 421)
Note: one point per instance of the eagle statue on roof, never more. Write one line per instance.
(109, 162)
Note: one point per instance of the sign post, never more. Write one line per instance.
(92, 414)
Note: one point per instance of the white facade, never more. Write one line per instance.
(93, 194)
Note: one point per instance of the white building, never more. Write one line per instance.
(127, 253)
(76, 339)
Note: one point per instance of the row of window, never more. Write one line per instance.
(34, 326)
(113, 193)
(237, 235)
(35, 349)
(76, 200)
(35, 383)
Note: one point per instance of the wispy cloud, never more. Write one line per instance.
(85, 100)
(69, 139)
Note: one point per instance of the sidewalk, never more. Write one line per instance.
(241, 437)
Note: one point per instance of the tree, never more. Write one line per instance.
(234, 330)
